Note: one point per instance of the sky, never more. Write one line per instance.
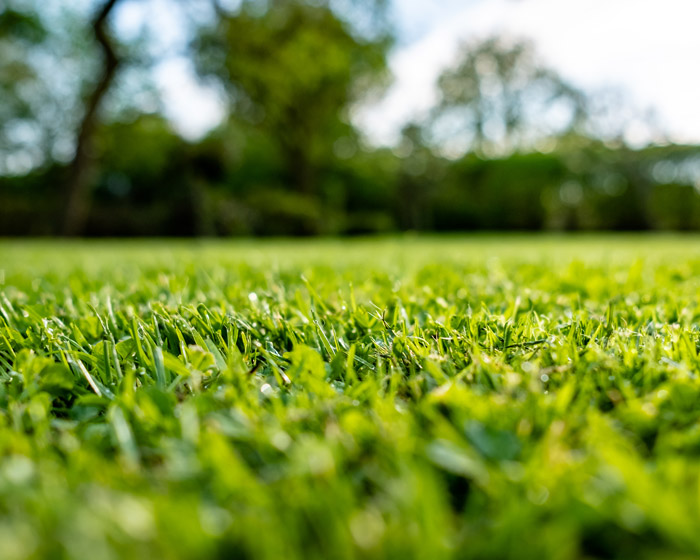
(645, 49)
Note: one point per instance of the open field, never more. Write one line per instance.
(457, 397)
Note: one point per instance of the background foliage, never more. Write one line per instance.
(508, 145)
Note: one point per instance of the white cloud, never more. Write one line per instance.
(648, 48)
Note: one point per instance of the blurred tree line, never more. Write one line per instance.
(86, 148)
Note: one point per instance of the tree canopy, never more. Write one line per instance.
(499, 97)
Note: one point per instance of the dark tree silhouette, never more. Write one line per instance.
(78, 180)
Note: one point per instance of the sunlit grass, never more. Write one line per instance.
(479, 397)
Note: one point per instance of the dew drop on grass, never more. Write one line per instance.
(267, 390)
(214, 520)
(538, 496)
(18, 469)
(281, 440)
(367, 528)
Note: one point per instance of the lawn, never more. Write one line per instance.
(417, 397)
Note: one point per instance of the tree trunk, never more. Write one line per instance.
(302, 172)
(78, 181)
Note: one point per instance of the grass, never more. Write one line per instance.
(480, 397)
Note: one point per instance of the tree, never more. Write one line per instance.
(78, 182)
(20, 89)
(419, 173)
(499, 98)
(293, 71)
